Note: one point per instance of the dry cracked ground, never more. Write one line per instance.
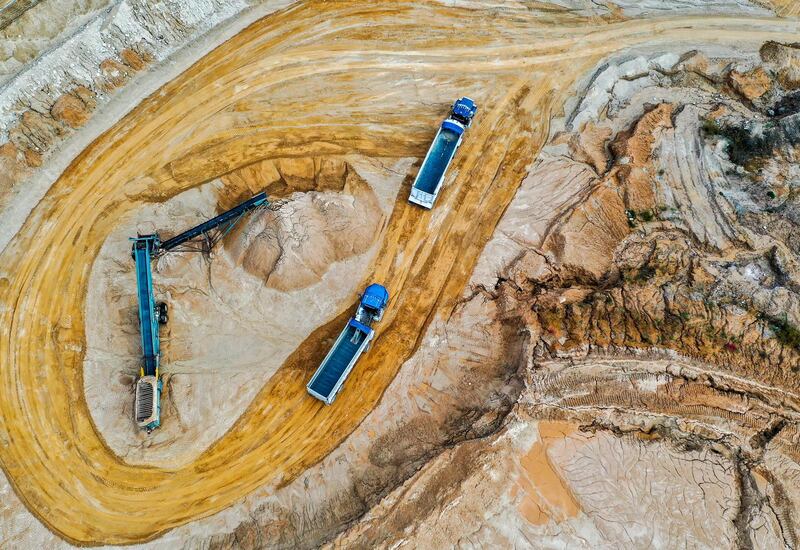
(593, 339)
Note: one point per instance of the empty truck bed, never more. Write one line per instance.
(340, 360)
(436, 162)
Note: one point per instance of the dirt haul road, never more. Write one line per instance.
(317, 79)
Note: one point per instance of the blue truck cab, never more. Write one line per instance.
(354, 340)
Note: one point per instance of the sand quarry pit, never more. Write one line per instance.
(278, 277)
(561, 252)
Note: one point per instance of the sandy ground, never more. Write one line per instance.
(228, 331)
(537, 490)
(24, 198)
(310, 81)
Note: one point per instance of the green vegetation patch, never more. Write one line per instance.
(744, 147)
(785, 332)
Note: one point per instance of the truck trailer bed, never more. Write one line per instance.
(440, 154)
(336, 366)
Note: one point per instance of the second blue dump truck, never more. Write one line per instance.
(351, 343)
(429, 180)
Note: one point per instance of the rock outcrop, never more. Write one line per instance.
(676, 251)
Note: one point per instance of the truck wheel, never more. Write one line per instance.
(163, 318)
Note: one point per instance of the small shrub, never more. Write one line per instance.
(631, 215)
(786, 333)
(644, 274)
(711, 127)
(744, 149)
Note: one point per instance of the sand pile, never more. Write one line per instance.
(293, 246)
(234, 316)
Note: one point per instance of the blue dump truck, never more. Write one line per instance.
(431, 174)
(349, 346)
